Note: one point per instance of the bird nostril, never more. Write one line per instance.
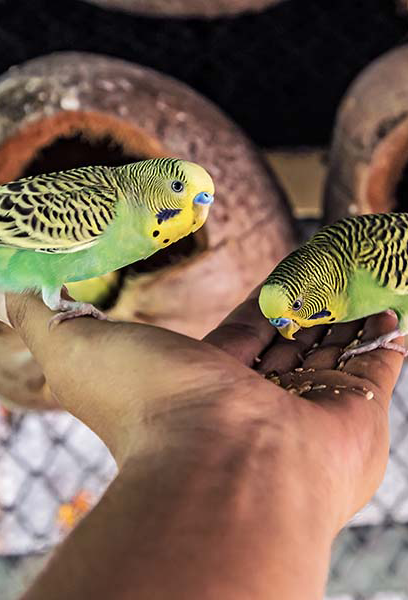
(203, 198)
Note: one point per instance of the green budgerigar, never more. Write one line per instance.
(351, 269)
(78, 224)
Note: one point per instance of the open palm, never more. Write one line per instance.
(117, 377)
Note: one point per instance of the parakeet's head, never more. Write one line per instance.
(301, 292)
(177, 193)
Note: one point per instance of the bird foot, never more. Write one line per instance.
(381, 342)
(72, 310)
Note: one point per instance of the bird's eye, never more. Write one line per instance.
(177, 186)
(297, 305)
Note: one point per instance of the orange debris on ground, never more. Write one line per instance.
(69, 514)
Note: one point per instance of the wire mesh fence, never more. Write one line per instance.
(52, 470)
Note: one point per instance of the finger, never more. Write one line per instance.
(338, 337)
(381, 367)
(100, 369)
(285, 355)
(16, 309)
(245, 333)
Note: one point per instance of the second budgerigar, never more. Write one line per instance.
(351, 269)
(82, 223)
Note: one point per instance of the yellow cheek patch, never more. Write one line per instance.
(167, 231)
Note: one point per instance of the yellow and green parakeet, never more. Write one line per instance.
(350, 270)
(78, 224)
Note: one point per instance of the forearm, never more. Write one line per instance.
(221, 510)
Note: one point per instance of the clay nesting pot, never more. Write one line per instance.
(187, 8)
(71, 109)
(369, 154)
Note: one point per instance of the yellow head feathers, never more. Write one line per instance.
(289, 313)
(176, 196)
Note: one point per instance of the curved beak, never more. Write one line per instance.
(289, 330)
(201, 207)
(286, 327)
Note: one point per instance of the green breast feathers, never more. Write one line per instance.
(86, 222)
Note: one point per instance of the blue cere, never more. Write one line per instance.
(204, 198)
(279, 322)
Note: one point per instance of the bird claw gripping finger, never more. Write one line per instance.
(384, 341)
(74, 310)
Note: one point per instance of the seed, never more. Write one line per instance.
(360, 333)
(329, 332)
(315, 345)
(369, 395)
(320, 386)
(257, 359)
(299, 369)
(352, 344)
(310, 370)
(337, 391)
(341, 365)
(358, 391)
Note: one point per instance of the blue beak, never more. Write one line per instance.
(204, 198)
(279, 322)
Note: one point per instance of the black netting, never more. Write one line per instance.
(280, 73)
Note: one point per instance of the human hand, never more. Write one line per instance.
(96, 370)
(338, 411)
(229, 485)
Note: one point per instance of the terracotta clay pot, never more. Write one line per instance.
(369, 154)
(71, 109)
(187, 8)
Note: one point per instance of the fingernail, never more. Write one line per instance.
(3, 310)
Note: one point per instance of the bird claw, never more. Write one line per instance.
(83, 310)
(374, 345)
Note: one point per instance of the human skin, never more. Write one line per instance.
(229, 486)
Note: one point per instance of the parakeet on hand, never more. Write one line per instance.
(350, 270)
(82, 223)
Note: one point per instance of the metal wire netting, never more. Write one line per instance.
(52, 470)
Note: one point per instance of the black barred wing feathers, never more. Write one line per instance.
(60, 212)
